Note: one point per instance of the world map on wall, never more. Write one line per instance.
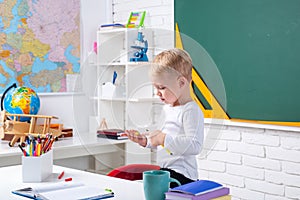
(39, 43)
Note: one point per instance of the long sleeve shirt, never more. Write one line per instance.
(184, 129)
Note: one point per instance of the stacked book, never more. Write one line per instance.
(117, 134)
(199, 190)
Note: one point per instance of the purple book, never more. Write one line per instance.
(206, 196)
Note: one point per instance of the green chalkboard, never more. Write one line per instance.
(255, 46)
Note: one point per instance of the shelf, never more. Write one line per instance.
(116, 30)
(111, 30)
(153, 99)
(133, 87)
(112, 99)
(121, 64)
(60, 94)
(138, 63)
(109, 98)
(111, 64)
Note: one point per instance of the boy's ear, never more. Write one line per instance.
(181, 81)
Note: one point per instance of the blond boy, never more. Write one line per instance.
(180, 139)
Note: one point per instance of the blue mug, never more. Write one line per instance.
(156, 183)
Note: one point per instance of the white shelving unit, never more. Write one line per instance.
(129, 102)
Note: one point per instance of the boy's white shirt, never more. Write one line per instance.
(184, 129)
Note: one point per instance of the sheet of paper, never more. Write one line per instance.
(55, 186)
(80, 192)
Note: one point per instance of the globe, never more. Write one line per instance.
(21, 100)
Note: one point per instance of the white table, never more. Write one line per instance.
(84, 144)
(11, 179)
(67, 150)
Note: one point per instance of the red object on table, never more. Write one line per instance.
(132, 171)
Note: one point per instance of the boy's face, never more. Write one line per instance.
(167, 89)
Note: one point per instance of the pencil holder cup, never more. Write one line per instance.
(37, 168)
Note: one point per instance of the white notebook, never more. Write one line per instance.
(66, 191)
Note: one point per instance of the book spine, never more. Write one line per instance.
(210, 195)
(226, 197)
(114, 134)
(111, 132)
(115, 137)
(213, 194)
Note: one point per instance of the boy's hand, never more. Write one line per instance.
(157, 138)
(135, 136)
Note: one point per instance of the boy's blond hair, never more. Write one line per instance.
(173, 59)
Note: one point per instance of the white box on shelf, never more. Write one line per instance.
(37, 168)
(108, 90)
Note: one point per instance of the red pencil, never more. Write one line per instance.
(61, 175)
(68, 179)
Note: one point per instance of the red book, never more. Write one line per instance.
(111, 131)
(117, 134)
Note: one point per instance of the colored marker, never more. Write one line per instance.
(68, 179)
(115, 75)
(61, 175)
(30, 148)
(108, 190)
(38, 149)
(47, 142)
(167, 150)
(49, 145)
(24, 152)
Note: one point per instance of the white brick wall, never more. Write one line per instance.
(290, 143)
(248, 149)
(159, 17)
(264, 187)
(244, 193)
(244, 171)
(260, 163)
(261, 139)
(263, 163)
(278, 153)
(291, 168)
(226, 178)
(158, 13)
(293, 192)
